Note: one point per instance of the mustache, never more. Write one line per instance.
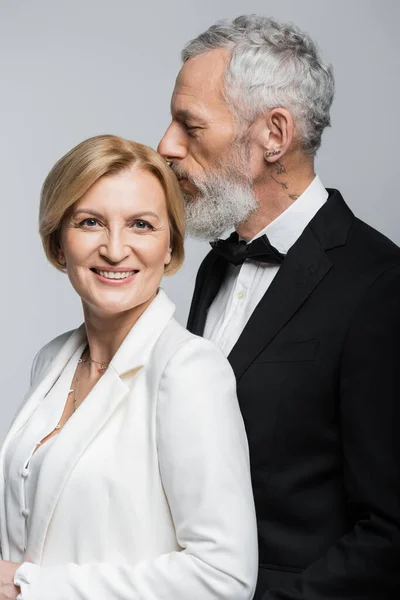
(180, 172)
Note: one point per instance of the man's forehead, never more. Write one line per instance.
(200, 80)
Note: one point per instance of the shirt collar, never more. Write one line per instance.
(285, 230)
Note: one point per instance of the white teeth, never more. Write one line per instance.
(115, 275)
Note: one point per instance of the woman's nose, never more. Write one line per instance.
(115, 249)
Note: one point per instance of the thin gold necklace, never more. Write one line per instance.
(103, 365)
(81, 361)
(75, 389)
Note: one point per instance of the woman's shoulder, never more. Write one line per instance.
(192, 371)
(182, 349)
(47, 353)
(178, 337)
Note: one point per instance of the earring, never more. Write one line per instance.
(270, 153)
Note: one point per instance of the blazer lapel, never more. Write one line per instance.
(208, 281)
(97, 408)
(32, 399)
(43, 384)
(305, 266)
(77, 434)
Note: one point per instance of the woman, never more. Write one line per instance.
(126, 472)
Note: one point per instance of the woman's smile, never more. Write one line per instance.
(116, 276)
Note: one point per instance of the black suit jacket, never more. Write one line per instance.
(318, 379)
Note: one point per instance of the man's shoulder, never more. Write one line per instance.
(375, 247)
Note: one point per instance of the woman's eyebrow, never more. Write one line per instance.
(87, 211)
(95, 213)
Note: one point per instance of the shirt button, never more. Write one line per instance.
(25, 512)
(241, 295)
(24, 472)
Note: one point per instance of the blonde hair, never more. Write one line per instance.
(81, 167)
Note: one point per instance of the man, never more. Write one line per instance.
(308, 312)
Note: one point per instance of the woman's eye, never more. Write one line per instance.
(90, 223)
(142, 225)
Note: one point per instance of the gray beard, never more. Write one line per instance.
(222, 202)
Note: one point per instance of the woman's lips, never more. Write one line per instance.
(113, 281)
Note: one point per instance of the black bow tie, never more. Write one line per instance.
(237, 252)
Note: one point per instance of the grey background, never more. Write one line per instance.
(70, 70)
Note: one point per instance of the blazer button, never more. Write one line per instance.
(25, 512)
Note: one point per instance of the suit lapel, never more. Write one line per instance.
(209, 278)
(305, 266)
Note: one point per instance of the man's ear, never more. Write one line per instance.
(278, 133)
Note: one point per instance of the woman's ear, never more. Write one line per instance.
(58, 247)
(168, 257)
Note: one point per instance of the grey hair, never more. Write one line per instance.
(272, 65)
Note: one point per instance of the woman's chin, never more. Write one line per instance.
(109, 306)
(114, 305)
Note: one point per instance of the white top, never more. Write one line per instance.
(145, 492)
(23, 463)
(245, 285)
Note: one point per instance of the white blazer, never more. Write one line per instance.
(146, 493)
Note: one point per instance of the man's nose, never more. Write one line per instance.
(172, 145)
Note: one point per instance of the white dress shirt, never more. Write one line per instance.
(245, 285)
